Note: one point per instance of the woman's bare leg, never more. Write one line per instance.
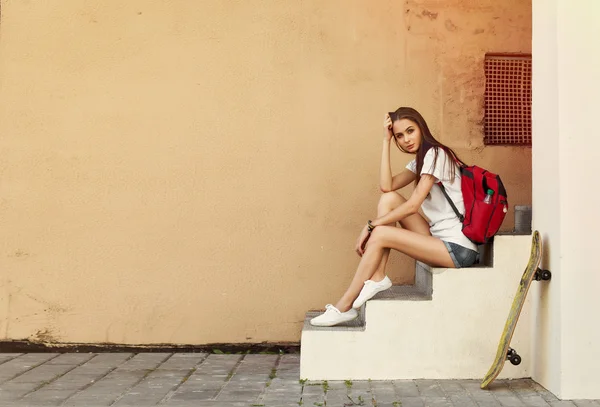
(416, 223)
(427, 249)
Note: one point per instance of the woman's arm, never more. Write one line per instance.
(400, 181)
(385, 170)
(412, 205)
(387, 183)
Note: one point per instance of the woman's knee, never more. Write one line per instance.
(377, 239)
(389, 201)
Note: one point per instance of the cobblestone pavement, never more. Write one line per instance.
(222, 380)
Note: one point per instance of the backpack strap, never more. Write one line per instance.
(460, 217)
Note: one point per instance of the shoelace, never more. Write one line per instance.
(330, 307)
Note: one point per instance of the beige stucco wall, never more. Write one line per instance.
(566, 92)
(198, 172)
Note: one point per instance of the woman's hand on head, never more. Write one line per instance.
(388, 133)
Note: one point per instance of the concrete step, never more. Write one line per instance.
(395, 293)
(446, 326)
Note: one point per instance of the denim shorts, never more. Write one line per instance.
(461, 256)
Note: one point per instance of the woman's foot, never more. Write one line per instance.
(370, 289)
(332, 316)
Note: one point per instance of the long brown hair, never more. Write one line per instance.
(427, 142)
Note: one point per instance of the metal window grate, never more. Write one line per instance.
(507, 99)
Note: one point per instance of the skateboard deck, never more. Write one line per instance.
(532, 272)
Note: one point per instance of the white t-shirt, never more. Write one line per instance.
(443, 222)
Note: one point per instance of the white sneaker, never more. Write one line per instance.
(370, 289)
(333, 316)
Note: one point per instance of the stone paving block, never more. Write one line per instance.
(208, 403)
(362, 385)
(288, 375)
(462, 400)
(208, 379)
(16, 367)
(183, 361)
(360, 397)
(37, 404)
(310, 396)
(234, 380)
(249, 378)
(288, 371)
(522, 386)
(73, 380)
(52, 397)
(234, 393)
(406, 388)
(143, 361)
(256, 388)
(14, 391)
(66, 386)
(293, 359)
(153, 388)
(276, 401)
(534, 400)
(485, 398)
(119, 381)
(282, 395)
(382, 384)
(547, 395)
(281, 391)
(108, 360)
(259, 361)
(191, 395)
(238, 395)
(45, 373)
(509, 400)
(384, 396)
(5, 357)
(383, 392)
(313, 387)
(471, 385)
(278, 381)
(206, 386)
(337, 392)
(429, 388)
(215, 365)
(336, 385)
(452, 387)
(437, 402)
(71, 359)
(500, 387)
(166, 378)
(412, 401)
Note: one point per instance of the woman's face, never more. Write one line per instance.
(408, 135)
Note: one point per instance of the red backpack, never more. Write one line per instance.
(481, 220)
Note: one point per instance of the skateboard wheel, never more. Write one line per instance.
(542, 275)
(515, 359)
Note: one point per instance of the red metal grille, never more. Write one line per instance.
(507, 99)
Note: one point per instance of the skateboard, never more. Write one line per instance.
(532, 272)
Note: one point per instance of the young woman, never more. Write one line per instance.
(439, 242)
